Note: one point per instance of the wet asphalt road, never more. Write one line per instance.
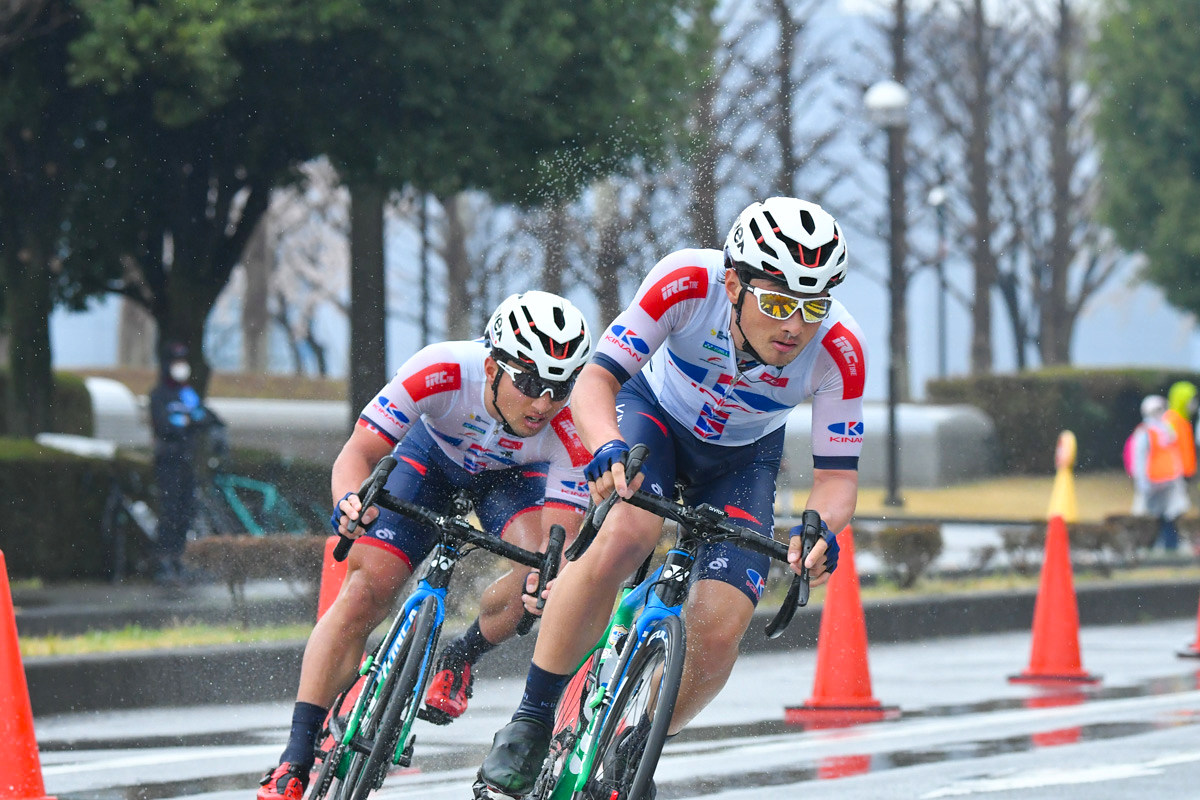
(964, 731)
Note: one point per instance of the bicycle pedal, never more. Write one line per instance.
(434, 715)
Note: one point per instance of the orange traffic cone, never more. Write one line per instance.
(332, 574)
(20, 765)
(1055, 654)
(842, 688)
(1193, 650)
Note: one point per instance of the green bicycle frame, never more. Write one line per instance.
(577, 765)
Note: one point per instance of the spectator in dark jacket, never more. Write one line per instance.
(177, 415)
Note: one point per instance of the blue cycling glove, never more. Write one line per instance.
(603, 459)
(336, 519)
(831, 553)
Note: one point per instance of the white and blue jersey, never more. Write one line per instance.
(434, 413)
(677, 334)
(714, 423)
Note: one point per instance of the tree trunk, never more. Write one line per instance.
(258, 262)
(460, 323)
(984, 260)
(28, 304)
(135, 336)
(368, 304)
(611, 257)
(1055, 339)
(554, 246)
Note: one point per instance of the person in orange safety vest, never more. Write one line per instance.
(1181, 407)
(1158, 471)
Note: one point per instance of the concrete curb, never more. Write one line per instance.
(263, 673)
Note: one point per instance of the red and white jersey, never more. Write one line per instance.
(678, 329)
(444, 386)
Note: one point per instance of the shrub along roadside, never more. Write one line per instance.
(1030, 409)
(53, 507)
(72, 411)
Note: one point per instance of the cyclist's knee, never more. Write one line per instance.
(366, 598)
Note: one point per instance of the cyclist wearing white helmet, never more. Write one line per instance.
(704, 367)
(487, 417)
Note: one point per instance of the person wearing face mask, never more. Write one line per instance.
(176, 416)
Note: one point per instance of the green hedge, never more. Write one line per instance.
(1030, 410)
(52, 525)
(53, 504)
(72, 405)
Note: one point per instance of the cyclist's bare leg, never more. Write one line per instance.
(335, 648)
(500, 608)
(580, 604)
(717, 616)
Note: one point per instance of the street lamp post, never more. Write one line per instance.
(886, 103)
(937, 199)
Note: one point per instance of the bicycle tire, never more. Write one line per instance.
(402, 698)
(665, 645)
(355, 759)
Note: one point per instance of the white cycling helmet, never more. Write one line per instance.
(541, 330)
(791, 241)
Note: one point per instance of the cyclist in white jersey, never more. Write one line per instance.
(704, 367)
(487, 417)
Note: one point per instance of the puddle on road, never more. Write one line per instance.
(827, 768)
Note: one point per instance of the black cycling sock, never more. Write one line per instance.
(468, 648)
(307, 720)
(542, 691)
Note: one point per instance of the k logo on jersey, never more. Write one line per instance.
(846, 432)
(629, 342)
(392, 411)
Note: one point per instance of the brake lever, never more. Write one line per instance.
(799, 590)
(548, 572)
(367, 493)
(810, 522)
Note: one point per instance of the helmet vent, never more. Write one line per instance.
(806, 219)
(516, 329)
(757, 233)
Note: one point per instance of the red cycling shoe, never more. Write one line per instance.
(448, 693)
(286, 782)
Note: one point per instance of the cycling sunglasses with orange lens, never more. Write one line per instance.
(534, 386)
(782, 306)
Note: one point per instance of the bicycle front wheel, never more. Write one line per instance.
(635, 727)
(402, 697)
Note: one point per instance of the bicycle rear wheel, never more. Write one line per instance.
(400, 701)
(631, 738)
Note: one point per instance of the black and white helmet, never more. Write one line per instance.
(542, 331)
(791, 241)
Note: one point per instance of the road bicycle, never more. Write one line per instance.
(374, 734)
(615, 713)
(230, 503)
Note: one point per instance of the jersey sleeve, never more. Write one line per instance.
(565, 484)
(837, 400)
(670, 290)
(425, 384)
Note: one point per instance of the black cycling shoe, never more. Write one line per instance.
(516, 757)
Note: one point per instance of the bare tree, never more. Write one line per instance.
(1060, 255)
(967, 65)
